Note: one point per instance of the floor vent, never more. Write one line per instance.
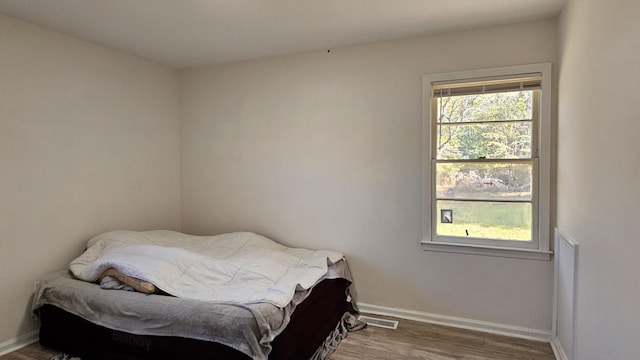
(383, 323)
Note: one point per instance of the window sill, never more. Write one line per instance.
(530, 254)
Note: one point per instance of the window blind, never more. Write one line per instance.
(487, 85)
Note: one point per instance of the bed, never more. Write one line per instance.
(82, 318)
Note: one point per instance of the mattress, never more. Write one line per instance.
(299, 330)
(236, 295)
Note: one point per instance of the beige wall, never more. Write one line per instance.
(599, 171)
(89, 141)
(323, 150)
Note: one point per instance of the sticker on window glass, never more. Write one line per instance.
(446, 216)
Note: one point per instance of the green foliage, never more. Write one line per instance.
(457, 139)
(485, 126)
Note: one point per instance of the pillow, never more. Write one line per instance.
(137, 284)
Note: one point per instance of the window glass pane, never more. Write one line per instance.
(492, 141)
(489, 220)
(484, 181)
(516, 105)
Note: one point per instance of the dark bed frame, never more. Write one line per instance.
(311, 322)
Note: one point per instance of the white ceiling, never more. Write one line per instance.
(185, 33)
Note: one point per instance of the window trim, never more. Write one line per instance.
(543, 142)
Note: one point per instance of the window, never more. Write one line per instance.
(487, 146)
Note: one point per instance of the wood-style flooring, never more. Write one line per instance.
(411, 341)
(31, 352)
(414, 340)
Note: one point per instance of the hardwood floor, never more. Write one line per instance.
(411, 341)
(414, 340)
(31, 352)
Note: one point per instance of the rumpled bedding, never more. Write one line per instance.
(241, 267)
(248, 326)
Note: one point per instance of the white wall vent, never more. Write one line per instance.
(383, 323)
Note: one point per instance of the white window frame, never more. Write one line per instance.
(541, 234)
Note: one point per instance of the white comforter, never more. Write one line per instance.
(238, 267)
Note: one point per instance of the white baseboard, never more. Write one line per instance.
(458, 322)
(18, 342)
(558, 350)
